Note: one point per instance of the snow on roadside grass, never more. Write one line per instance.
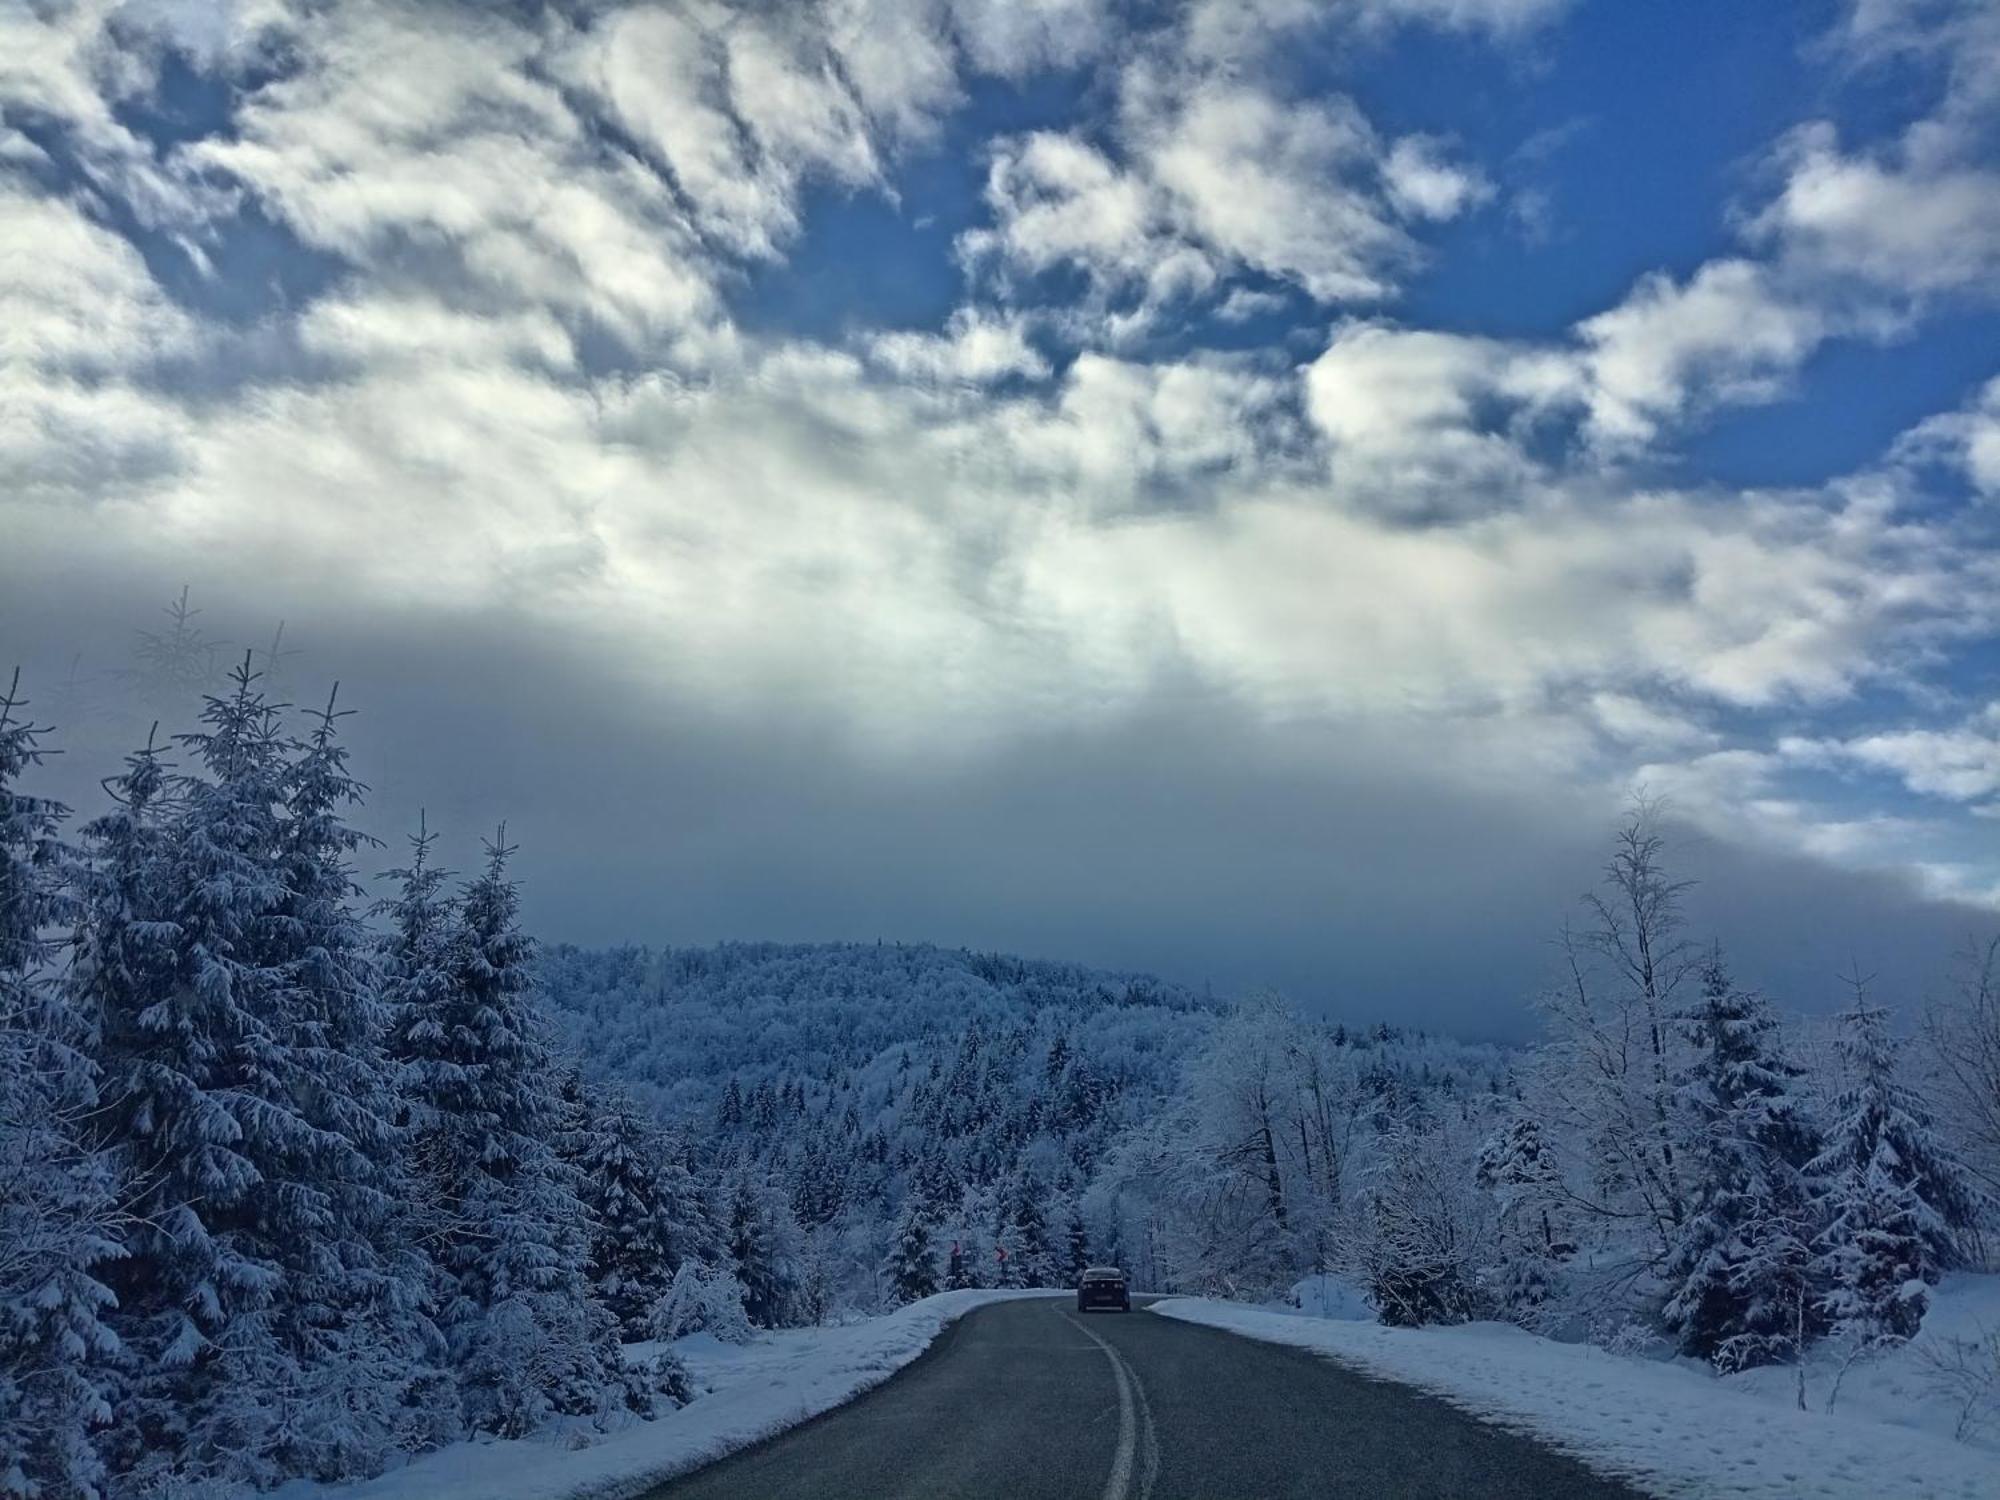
(1667, 1428)
(748, 1392)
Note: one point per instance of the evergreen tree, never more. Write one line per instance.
(1079, 1245)
(912, 1264)
(1896, 1201)
(361, 1303)
(56, 1195)
(236, 1114)
(1738, 1265)
(633, 1253)
(1031, 1260)
(759, 1246)
(1518, 1165)
(525, 1337)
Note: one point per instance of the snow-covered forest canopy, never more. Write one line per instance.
(298, 1176)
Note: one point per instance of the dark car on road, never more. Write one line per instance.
(1103, 1286)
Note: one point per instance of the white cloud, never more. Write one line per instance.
(1959, 764)
(1269, 185)
(738, 113)
(1968, 439)
(1058, 199)
(74, 296)
(1016, 37)
(1728, 335)
(1417, 420)
(1217, 177)
(431, 131)
(976, 347)
(1503, 16)
(1423, 185)
(1908, 224)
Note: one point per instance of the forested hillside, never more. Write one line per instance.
(1026, 1116)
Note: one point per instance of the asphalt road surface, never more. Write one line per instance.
(1029, 1401)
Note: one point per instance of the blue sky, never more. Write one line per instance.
(1490, 406)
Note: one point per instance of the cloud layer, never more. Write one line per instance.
(1174, 456)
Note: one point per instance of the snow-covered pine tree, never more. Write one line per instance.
(1518, 1166)
(912, 1263)
(634, 1243)
(57, 1200)
(227, 1112)
(1032, 1260)
(360, 1303)
(1078, 1245)
(1737, 1271)
(525, 1337)
(1895, 1200)
(759, 1236)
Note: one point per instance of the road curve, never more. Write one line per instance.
(1029, 1401)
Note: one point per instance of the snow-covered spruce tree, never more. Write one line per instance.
(361, 1305)
(1895, 1201)
(635, 1248)
(413, 962)
(912, 1265)
(1518, 1166)
(1737, 1274)
(526, 1339)
(230, 1108)
(1078, 1241)
(760, 1246)
(1031, 1258)
(57, 1199)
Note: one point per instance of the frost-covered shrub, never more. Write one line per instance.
(702, 1299)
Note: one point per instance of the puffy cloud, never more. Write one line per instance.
(1914, 223)
(1423, 185)
(1417, 419)
(81, 324)
(1729, 334)
(975, 347)
(1057, 199)
(1015, 37)
(1215, 177)
(406, 135)
(1968, 439)
(737, 112)
(1960, 764)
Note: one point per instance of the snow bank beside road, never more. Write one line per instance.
(748, 1392)
(1666, 1428)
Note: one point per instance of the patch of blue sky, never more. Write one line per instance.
(1849, 404)
(1622, 144)
(187, 103)
(876, 260)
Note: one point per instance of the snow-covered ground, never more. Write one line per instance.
(744, 1393)
(1668, 1426)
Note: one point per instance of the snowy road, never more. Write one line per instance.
(1027, 1400)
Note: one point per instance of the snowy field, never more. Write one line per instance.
(1668, 1426)
(744, 1392)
